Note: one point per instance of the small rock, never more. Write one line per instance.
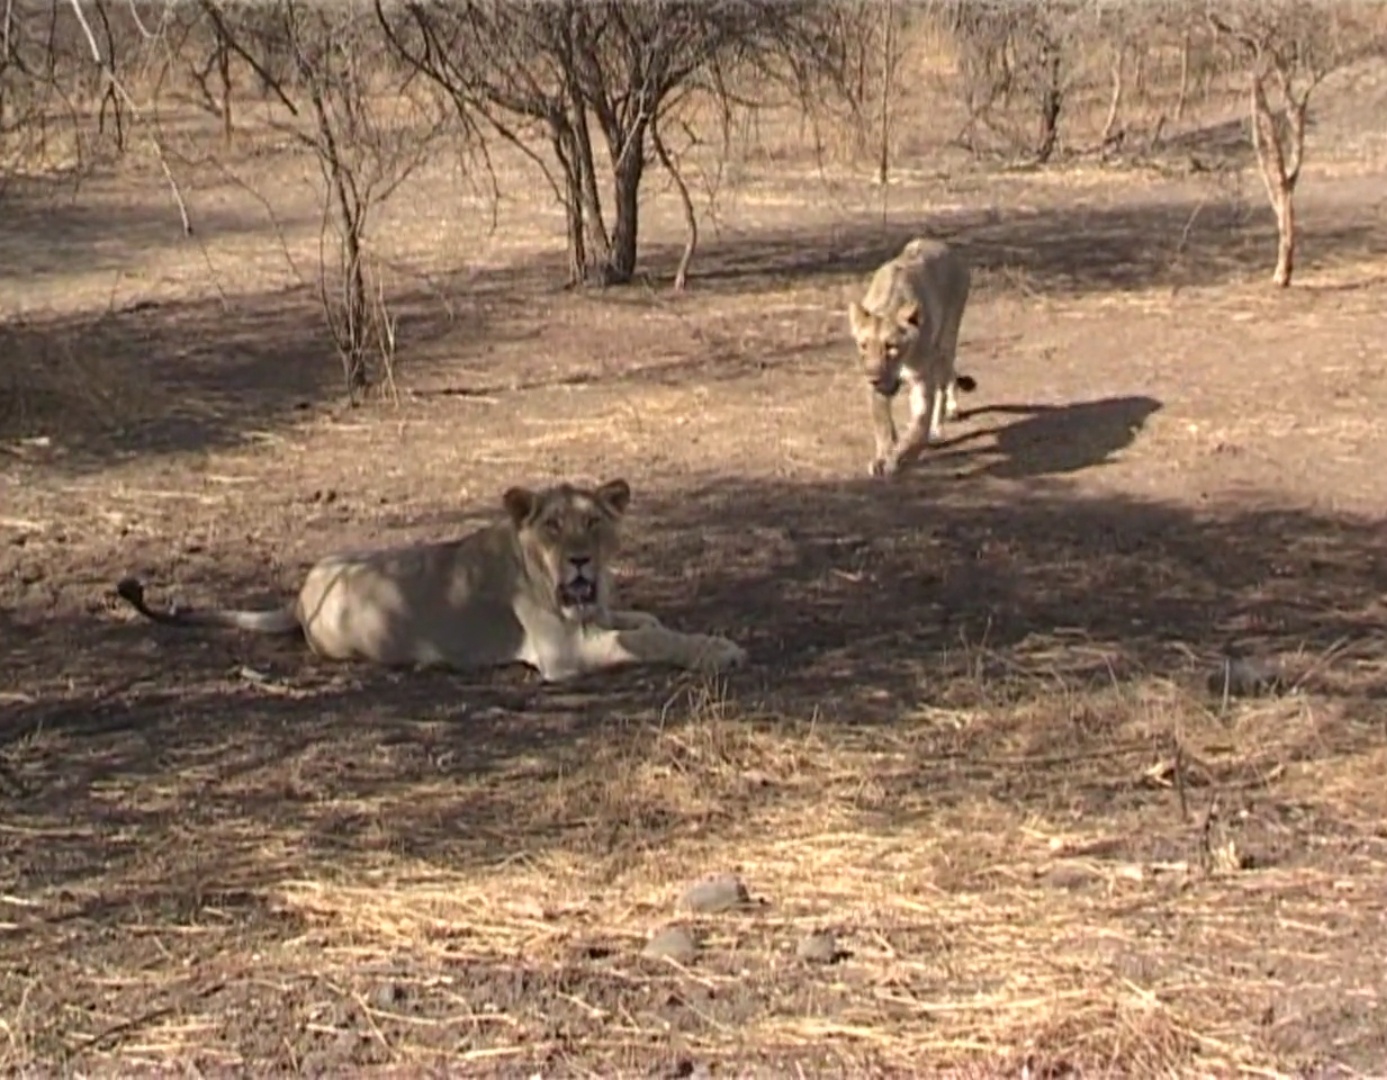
(1068, 876)
(820, 947)
(674, 943)
(390, 994)
(722, 893)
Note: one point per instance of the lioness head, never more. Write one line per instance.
(568, 536)
(882, 341)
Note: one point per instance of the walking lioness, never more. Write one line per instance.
(906, 329)
(534, 588)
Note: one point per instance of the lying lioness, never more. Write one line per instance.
(534, 589)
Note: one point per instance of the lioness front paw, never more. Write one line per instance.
(717, 654)
(885, 468)
(882, 466)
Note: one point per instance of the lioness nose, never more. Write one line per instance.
(579, 561)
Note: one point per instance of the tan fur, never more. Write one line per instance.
(533, 589)
(906, 330)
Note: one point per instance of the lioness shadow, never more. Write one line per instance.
(1048, 440)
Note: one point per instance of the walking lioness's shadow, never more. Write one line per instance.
(1049, 439)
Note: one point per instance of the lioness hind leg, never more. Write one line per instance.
(938, 397)
(933, 396)
(947, 360)
(660, 645)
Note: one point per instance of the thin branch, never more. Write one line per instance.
(116, 85)
(681, 275)
(266, 79)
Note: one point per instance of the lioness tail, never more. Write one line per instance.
(278, 621)
(966, 383)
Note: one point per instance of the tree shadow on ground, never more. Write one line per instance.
(173, 377)
(862, 603)
(196, 375)
(58, 228)
(188, 786)
(1181, 241)
(864, 588)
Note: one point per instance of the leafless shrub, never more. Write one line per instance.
(40, 121)
(1036, 75)
(1016, 53)
(368, 129)
(1287, 49)
(856, 70)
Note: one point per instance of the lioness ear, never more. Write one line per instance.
(615, 494)
(859, 319)
(520, 503)
(909, 315)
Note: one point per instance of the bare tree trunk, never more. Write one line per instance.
(627, 170)
(681, 275)
(1280, 166)
(224, 73)
(1183, 95)
(888, 66)
(352, 336)
(1115, 102)
(562, 139)
(1285, 239)
(1051, 103)
(599, 244)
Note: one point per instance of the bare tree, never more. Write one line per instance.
(567, 66)
(368, 128)
(858, 71)
(55, 70)
(1017, 51)
(113, 89)
(1288, 47)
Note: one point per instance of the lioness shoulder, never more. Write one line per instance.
(533, 588)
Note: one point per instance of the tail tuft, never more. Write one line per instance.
(131, 590)
(966, 383)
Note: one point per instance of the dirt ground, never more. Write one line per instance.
(977, 740)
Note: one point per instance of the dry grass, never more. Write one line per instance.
(976, 743)
(993, 909)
